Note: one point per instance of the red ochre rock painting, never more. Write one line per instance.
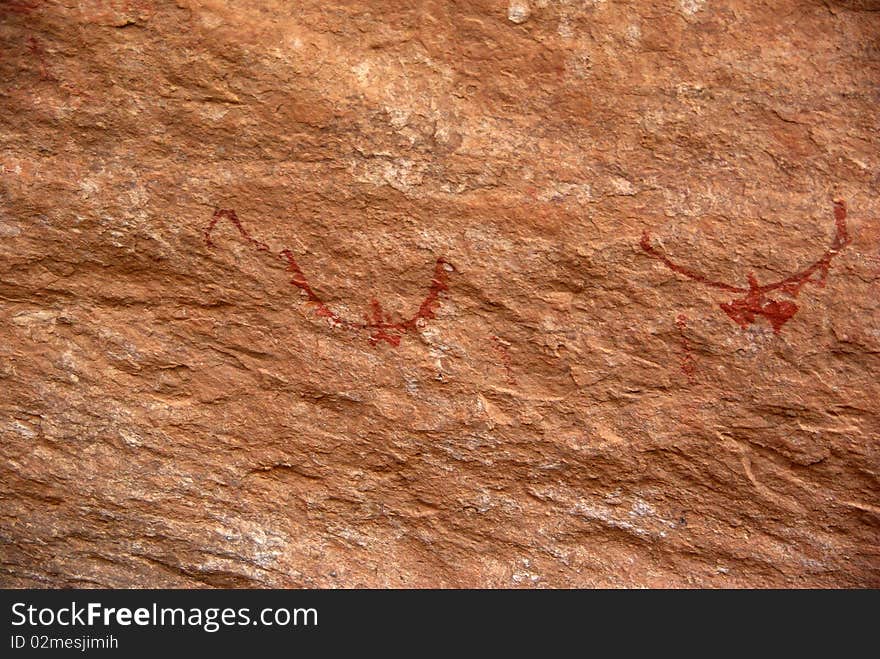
(39, 54)
(688, 361)
(379, 325)
(755, 300)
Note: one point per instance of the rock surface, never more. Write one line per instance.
(508, 294)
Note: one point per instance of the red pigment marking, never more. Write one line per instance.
(380, 325)
(502, 347)
(755, 301)
(39, 53)
(688, 361)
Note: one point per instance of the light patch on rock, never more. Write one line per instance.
(129, 438)
(263, 546)
(213, 112)
(350, 534)
(411, 385)
(22, 429)
(525, 574)
(518, 11)
(622, 187)
(30, 317)
(641, 508)
(564, 29)
(606, 516)
(401, 173)
(210, 20)
(88, 187)
(430, 240)
(398, 117)
(633, 34)
(8, 230)
(136, 195)
(691, 7)
(361, 71)
(68, 363)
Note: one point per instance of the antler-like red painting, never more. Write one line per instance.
(379, 325)
(755, 302)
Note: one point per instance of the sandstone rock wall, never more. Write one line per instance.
(439, 293)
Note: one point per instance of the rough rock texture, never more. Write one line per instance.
(437, 293)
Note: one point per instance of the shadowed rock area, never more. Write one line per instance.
(521, 293)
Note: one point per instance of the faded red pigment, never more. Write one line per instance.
(755, 302)
(502, 348)
(688, 362)
(39, 53)
(378, 324)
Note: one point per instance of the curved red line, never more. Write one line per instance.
(687, 272)
(380, 328)
(793, 282)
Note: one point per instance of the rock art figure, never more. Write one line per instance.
(379, 325)
(754, 300)
(688, 361)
